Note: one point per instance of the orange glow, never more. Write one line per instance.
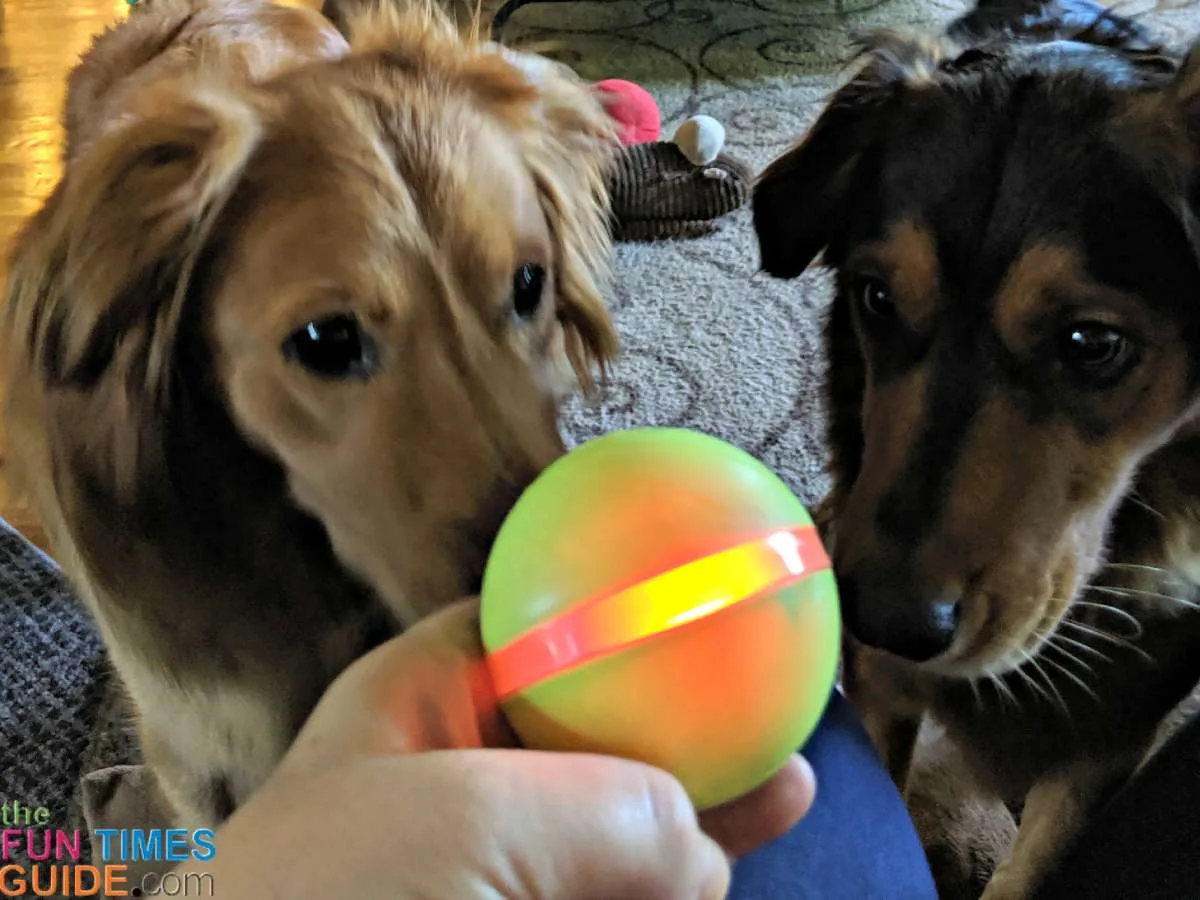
(686, 593)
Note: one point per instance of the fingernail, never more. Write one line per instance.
(811, 773)
(807, 768)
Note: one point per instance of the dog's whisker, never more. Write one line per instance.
(1136, 592)
(1083, 685)
(1072, 658)
(1115, 611)
(1049, 683)
(1028, 680)
(1141, 503)
(1004, 692)
(1100, 634)
(1087, 674)
(1058, 636)
(1016, 700)
(1136, 567)
(1095, 631)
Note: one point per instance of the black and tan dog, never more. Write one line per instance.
(1014, 370)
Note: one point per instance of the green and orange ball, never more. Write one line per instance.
(661, 595)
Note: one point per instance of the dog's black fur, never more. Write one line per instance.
(1010, 209)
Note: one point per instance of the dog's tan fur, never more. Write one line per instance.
(242, 40)
(1072, 542)
(241, 526)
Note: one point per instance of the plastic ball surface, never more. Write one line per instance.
(659, 594)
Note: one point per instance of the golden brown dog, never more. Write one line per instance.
(1014, 373)
(284, 345)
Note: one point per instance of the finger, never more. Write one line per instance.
(474, 823)
(767, 813)
(618, 828)
(427, 689)
(446, 646)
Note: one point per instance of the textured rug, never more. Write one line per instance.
(53, 677)
(708, 344)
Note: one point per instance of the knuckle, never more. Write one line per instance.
(668, 803)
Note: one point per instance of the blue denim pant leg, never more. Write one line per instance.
(857, 842)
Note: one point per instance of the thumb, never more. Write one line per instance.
(427, 689)
(583, 827)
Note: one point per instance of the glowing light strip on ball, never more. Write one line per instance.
(692, 591)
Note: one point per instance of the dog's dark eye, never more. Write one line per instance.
(1094, 349)
(874, 297)
(333, 347)
(529, 283)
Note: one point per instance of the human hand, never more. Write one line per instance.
(405, 781)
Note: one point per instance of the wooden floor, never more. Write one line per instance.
(40, 40)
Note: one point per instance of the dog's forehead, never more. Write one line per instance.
(1013, 166)
(977, 155)
(378, 197)
(392, 126)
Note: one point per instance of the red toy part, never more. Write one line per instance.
(634, 110)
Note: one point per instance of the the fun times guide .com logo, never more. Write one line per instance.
(38, 859)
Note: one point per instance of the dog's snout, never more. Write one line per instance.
(889, 616)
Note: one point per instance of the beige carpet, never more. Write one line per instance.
(708, 343)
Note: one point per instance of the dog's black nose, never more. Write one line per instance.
(891, 618)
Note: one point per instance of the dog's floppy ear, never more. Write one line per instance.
(565, 136)
(800, 199)
(570, 148)
(570, 144)
(99, 278)
(1164, 131)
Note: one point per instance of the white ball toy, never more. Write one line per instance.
(700, 139)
